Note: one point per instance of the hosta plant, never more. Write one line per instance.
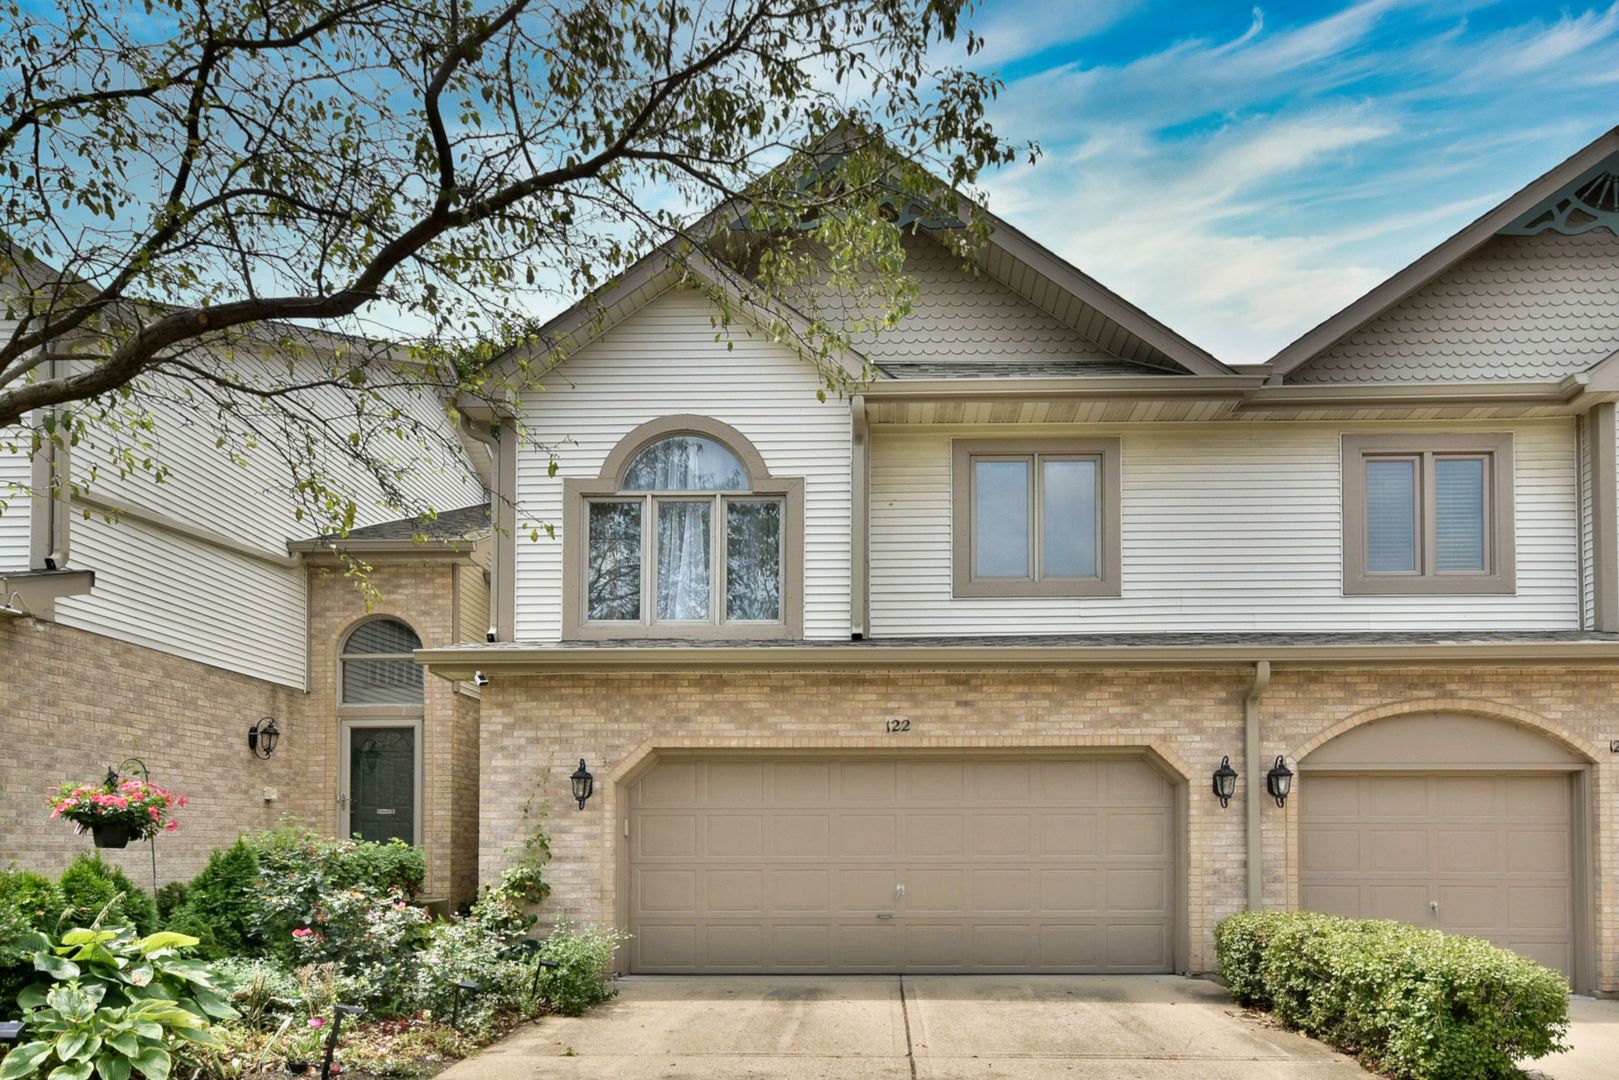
(76, 1035)
(126, 970)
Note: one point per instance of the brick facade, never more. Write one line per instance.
(72, 703)
(536, 727)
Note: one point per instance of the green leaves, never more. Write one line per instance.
(24, 1060)
(55, 966)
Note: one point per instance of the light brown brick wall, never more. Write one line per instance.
(72, 703)
(535, 728)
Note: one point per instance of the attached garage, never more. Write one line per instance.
(935, 863)
(1460, 823)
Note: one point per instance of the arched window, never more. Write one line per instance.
(684, 534)
(377, 665)
(380, 709)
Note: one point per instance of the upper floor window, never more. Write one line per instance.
(1429, 514)
(1036, 517)
(684, 534)
(377, 667)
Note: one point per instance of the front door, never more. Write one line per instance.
(379, 773)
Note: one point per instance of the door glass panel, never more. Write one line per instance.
(683, 560)
(1068, 517)
(753, 560)
(1391, 515)
(1000, 519)
(382, 783)
(1459, 514)
(614, 589)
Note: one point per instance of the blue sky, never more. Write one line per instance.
(1243, 171)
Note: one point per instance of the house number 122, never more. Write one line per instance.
(893, 727)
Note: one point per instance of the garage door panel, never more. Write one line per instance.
(1000, 835)
(1069, 834)
(935, 834)
(1538, 851)
(868, 835)
(1489, 855)
(734, 836)
(1386, 850)
(801, 836)
(1470, 850)
(1008, 864)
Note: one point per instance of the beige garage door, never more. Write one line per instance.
(1489, 856)
(990, 864)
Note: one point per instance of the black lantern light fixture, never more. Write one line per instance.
(1279, 781)
(1225, 781)
(262, 737)
(583, 784)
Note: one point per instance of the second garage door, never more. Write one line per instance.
(991, 864)
(1478, 854)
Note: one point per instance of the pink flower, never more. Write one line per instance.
(182, 800)
(315, 1021)
(303, 932)
(171, 826)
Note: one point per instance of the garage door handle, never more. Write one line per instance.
(886, 915)
(1433, 906)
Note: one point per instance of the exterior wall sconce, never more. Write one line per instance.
(262, 737)
(1225, 781)
(1279, 781)
(583, 784)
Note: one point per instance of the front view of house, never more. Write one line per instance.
(952, 675)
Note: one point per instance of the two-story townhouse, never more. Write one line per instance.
(166, 622)
(946, 676)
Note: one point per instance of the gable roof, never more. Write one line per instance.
(1511, 217)
(1116, 333)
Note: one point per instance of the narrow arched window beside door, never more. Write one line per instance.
(380, 708)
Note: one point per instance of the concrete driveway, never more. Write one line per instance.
(927, 1028)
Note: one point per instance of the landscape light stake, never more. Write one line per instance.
(338, 1011)
(540, 964)
(455, 1012)
(10, 1035)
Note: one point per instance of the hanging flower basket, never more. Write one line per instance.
(117, 812)
(111, 835)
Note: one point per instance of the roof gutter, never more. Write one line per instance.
(459, 662)
(1130, 387)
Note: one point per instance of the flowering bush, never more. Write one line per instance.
(139, 807)
(371, 938)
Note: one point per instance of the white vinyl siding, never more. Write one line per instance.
(15, 470)
(1226, 527)
(665, 360)
(172, 594)
(160, 589)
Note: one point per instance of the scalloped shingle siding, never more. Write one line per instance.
(959, 316)
(1519, 307)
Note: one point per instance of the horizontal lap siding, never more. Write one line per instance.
(1226, 527)
(14, 500)
(665, 360)
(154, 587)
(165, 592)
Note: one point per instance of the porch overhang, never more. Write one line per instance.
(1550, 648)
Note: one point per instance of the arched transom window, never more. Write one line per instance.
(377, 665)
(686, 534)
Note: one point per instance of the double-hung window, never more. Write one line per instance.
(1036, 517)
(1431, 514)
(686, 536)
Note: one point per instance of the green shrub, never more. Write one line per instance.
(340, 864)
(585, 977)
(221, 904)
(92, 889)
(28, 901)
(1414, 1004)
(170, 898)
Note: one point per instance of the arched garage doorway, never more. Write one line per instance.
(1456, 821)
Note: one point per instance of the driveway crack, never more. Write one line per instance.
(905, 1012)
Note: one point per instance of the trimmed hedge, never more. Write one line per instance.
(1415, 1004)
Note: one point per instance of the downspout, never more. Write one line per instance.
(859, 519)
(52, 484)
(503, 526)
(1253, 803)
